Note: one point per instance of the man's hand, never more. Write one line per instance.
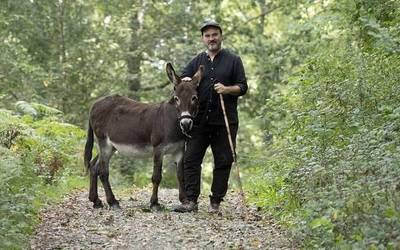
(222, 89)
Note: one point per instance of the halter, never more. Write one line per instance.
(185, 117)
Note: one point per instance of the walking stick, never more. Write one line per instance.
(233, 154)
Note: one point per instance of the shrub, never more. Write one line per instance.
(40, 160)
(333, 169)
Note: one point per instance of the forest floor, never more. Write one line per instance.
(74, 224)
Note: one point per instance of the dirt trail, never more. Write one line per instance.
(74, 224)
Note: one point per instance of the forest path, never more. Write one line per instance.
(74, 224)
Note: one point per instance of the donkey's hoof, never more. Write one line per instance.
(115, 206)
(155, 207)
(182, 198)
(97, 204)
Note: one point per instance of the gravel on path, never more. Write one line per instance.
(74, 224)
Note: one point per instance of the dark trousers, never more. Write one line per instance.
(202, 137)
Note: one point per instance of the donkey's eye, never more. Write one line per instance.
(194, 98)
(176, 99)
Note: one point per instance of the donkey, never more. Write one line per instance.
(140, 129)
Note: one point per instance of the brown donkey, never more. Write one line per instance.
(138, 129)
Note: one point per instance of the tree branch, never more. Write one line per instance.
(252, 19)
(13, 95)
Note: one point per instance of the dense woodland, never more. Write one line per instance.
(319, 139)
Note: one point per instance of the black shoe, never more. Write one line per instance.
(186, 207)
(214, 208)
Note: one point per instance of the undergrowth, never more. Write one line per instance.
(40, 161)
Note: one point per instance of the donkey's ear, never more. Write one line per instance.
(172, 75)
(198, 76)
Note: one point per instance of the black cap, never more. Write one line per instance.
(210, 23)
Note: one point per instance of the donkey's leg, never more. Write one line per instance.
(93, 195)
(156, 179)
(179, 174)
(106, 151)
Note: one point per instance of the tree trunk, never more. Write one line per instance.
(264, 9)
(62, 52)
(135, 54)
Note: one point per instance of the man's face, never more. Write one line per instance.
(212, 39)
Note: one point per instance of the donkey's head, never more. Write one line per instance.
(185, 97)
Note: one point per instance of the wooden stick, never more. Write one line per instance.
(242, 196)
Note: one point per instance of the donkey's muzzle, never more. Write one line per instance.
(186, 123)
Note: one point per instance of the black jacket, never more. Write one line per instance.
(226, 68)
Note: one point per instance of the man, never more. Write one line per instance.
(224, 74)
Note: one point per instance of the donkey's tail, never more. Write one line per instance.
(88, 147)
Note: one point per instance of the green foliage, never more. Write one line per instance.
(17, 192)
(333, 171)
(40, 160)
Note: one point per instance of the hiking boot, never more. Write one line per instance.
(186, 207)
(214, 208)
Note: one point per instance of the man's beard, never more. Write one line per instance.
(214, 47)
